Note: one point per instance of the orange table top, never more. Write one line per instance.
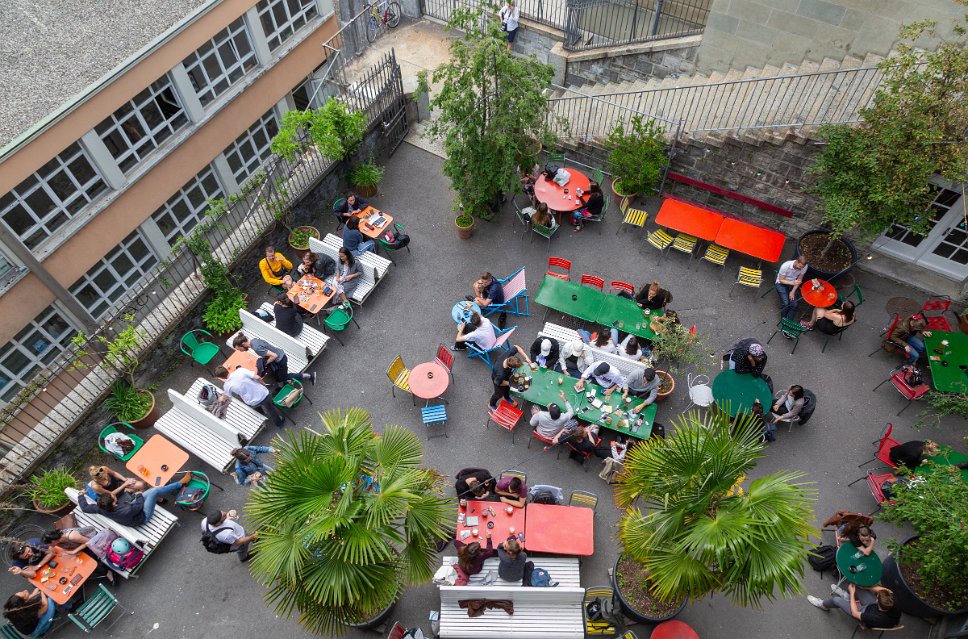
(246, 359)
(428, 380)
(157, 461)
(689, 219)
(674, 629)
(505, 524)
(373, 232)
(750, 239)
(58, 582)
(562, 530)
(308, 293)
(554, 196)
(824, 295)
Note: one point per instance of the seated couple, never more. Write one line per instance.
(127, 501)
(479, 484)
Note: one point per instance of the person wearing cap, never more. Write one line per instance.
(576, 357)
(605, 375)
(642, 383)
(546, 353)
(548, 423)
(748, 356)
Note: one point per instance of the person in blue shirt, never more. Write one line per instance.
(249, 470)
(353, 240)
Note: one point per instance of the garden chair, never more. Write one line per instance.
(861, 626)
(886, 343)
(884, 446)
(515, 292)
(716, 254)
(446, 359)
(839, 334)
(436, 414)
(505, 415)
(7, 631)
(199, 351)
(910, 393)
(598, 218)
(338, 216)
(474, 351)
(748, 277)
(519, 213)
(661, 240)
(876, 485)
(96, 609)
(556, 158)
(390, 249)
(700, 392)
(545, 231)
(598, 176)
(630, 216)
(583, 454)
(618, 285)
(339, 319)
(592, 281)
(855, 292)
(400, 377)
(547, 441)
(520, 474)
(583, 498)
(791, 328)
(600, 627)
(559, 262)
(938, 304)
(397, 631)
(685, 243)
(294, 387)
(130, 433)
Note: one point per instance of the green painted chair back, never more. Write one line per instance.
(95, 610)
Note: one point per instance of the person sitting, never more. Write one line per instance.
(787, 407)
(512, 491)
(31, 612)
(287, 282)
(594, 202)
(748, 356)
(548, 423)
(105, 481)
(542, 217)
(605, 375)
(909, 335)
(788, 280)
(606, 341)
(583, 441)
(28, 557)
(528, 180)
(308, 265)
(249, 469)
(873, 607)
(546, 353)
(642, 383)
(351, 205)
(512, 560)
(653, 297)
(860, 535)
(487, 291)
(274, 358)
(273, 267)
(133, 509)
(844, 520)
(75, 540)
(631, 349)
(576, 357)
(831, 321)
(911, 454)
(353, 239)
(288, 318)
(476, 330)
(346, 277)
(474, 483)
(471, 557)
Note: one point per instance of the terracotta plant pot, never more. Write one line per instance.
(464, 232)
(56, 512)
(148, 420)
(672, 380)
(366, 191)
(618, 194)
(313, 232)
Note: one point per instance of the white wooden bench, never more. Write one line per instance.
(315, 340)
(240, 417)
(539, 613)
(146, 537)
(565, 570)
(378, 262)
(563, 335)
(299, 352)
(372, 267)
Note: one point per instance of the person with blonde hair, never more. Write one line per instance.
(653, 297)
(513, 558)
(105, 481)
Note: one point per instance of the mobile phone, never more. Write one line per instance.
(157, 481)
(52, 564)
(521, 537)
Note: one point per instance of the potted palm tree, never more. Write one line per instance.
(690, 528)
(347, 520)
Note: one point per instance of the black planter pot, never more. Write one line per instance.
(825, 275)
(905, 599)
(634, 613)
(380, 619)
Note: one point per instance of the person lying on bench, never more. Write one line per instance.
(132, 509)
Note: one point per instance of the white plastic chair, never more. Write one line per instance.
(700, 393)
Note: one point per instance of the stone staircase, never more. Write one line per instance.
(755, 105)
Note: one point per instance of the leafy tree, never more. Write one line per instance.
(347, 518)
(876, 174)
(492, 112)
(336, 131)
(700, 532)
(638, 154)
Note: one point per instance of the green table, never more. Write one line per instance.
(855, 566)
(616, 308)
(544, 390)
(949, 373)
(569, 298)
(736, 391)
(947, 457)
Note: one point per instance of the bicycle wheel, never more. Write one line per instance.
(372, 28)
(393, 15)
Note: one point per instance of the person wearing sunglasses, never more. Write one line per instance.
(28, 557)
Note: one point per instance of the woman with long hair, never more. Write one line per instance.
(594, 202)
(30, 612)
(513, 558)
(346, 277)
(470, 557)
(831, 321)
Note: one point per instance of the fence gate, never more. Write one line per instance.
(380, 95)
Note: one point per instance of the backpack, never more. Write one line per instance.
(207, 395)
(265, 316)
(822, 558)
(600, 609)
(212, 543)
(540, 578)
(912, 376)
(544, 497)
(396, 239)
(127, 561)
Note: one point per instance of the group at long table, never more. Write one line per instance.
(562, 530)
(592, 305)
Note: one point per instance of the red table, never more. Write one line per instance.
(505, 524)
(750, 239)
(428, 380)
(823, 297)
(147, 463)
(693, 220)
(69, 567)
(554, 196)
(674, 629)
(376, 231)
(562, 530)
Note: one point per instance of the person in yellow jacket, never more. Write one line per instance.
(274, 266)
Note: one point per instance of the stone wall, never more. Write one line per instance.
(741, 33)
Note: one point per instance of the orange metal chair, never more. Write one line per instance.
(884, 446)
(622, 286)
(592, 281)
(505, 415)
(886, 343)
(910, 393)
(559, 262)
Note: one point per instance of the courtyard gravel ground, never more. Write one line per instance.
(183, 592)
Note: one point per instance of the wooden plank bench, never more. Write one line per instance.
(378, 262)
(314, 339)
(242, 418)
(539, 613)
(146, 537)
(300, 352)
(563, 335)
(565, 570)
(372, 267)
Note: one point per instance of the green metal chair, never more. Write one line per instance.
(192, 497)
(339, 218)
(599, 177)
(96, 609)
(113, 428)
(199, 351)
(386, 245)
(859, 294)
(7, 631)
(544, 231)
(557, 157)
(288, 387)
(339, 319)
(790, 328)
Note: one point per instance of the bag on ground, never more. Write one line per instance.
(822, 558)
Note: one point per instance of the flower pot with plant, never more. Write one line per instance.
(46, 491)
(222, 312)
(365, 178)
(299, 239)
(465, 224)
(637, 158)
(676, 348)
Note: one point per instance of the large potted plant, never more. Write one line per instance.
(366, 177)
(299, 239)
(675, 348)
(690, 528)
(46, 491)
(929, 572)
(464, 222)
(637, 158)
(347, 519)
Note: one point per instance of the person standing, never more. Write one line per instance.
(273, 267)
(248, 387)
(501, 377)
(274, 357)
(226, 530)
(788, 281)
(510, 15)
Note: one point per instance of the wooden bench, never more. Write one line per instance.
(378, 262)
(565, 570)
(146, 537)
(315, 340)
(539, 613)
(372, 267)
(300, 352)
(563, 335)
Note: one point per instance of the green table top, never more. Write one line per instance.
(544, 390)
(863, 570)
(570, 298)
(952, 378)
(616, 308)
(738, 390)
(947, 457)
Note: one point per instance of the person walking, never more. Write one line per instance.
(224, 527)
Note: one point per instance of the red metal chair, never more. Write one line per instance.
(910, 393)
(938, 304)
(886, 343)
(618, 285)
(582, 453)
(876, 485)
(397, 631)
(884, 446)
(547, 441)
(592, 281)
(505, 415)
(445, 358)
(559, 262)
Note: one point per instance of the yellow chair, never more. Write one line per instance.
(632, 217)
(749, 277)
(583, 498)
(685, 244)
(598, 627)
(716, 254)
(660, 239)
(520, 474)
(400, 377)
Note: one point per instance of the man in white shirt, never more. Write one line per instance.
(248, 387)
(233, 534)
(510, 15)
(605, 375)
(477, 330)
(788, 281)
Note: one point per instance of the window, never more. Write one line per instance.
(9, 272)
(282, 18)
(141, 125)
(183, 210)
(36, 346)
(44, 202)
(220, 62)
(251, 149)
(107, 280)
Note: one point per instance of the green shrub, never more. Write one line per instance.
(638, 155)
(47, 487)
(222, 313)
(129, 404)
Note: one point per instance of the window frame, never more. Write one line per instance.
(36, 361)
(195, 63)
(278, 34)
(183, 196)
(247, 167)
(109, 296)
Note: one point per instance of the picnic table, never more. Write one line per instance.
(66, 579)
(689, 219)
(625, 315)
(856, 567)
(949, 368)
(549, 192)
(750, 239)
(157, 461)
(592, 305)
(611, 414)
(505, 524)
(562, 530)
(369, 215)
(736, 392)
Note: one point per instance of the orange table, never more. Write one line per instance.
(750, 239)
(689, 219)
(562, 530)
(505, 524)
(308, 293)
(818, 292)
(554, 196)
(674, 629)
(243, 359)
(373, 232)
(157, 461)
(428, 380)
(58, 583)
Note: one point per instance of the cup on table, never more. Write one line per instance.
(510, 510)
(511, 529)
(463, 503)
(474, 532)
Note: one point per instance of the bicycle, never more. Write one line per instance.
(390, 17)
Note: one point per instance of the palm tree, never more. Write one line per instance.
(345, 521)
(700, 532)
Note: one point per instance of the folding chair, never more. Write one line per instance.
(937, 322)
(884, 446)
(716, 254)
(505, 415)
(839, 335)
(474, 351)
(559, 262)
(855, 292)
(515, 291)
(400, 377)
(520, 474)
(600, 627)
(546, 232)
(547, 441)
(556, 158)
(661, 240)
(748, 277)
(910, 393)
(861, 626)
(685, 243)
(583, 454)
(630, 216)
(583, 498)
(598, 218)
(791, 328)
(397, 631)
(339, 217)
(618, 285)
(519, 213)
(876, 485)
(95, 609)
(886, 343)
(592, 281)
(446, 359)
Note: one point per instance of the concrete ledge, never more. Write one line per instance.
(626, 49)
